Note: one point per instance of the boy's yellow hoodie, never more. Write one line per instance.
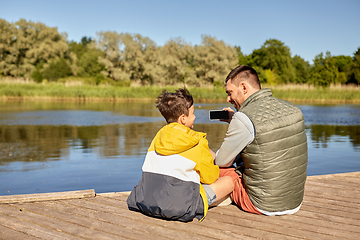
(177, 162)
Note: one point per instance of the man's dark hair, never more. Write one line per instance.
(173, 105)
(244, 73)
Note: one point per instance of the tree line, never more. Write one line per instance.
(35, 51)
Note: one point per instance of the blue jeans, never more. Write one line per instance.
(211, 196)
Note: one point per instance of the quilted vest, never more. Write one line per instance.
(275, 162)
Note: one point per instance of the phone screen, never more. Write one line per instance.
(218, 114)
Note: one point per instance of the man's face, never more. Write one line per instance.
(235, 95)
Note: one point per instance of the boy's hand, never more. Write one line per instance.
(231, 113)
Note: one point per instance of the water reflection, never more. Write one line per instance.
(42, 143)
(47, 147)
(321, 135)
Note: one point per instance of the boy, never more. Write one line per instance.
(179, 179)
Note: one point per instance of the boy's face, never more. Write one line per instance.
(189, 120)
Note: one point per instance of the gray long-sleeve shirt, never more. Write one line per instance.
(241, 132)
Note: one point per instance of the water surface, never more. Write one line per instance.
(51, 147)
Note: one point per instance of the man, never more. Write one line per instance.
(267, 141)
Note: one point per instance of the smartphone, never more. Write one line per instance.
(218, 114)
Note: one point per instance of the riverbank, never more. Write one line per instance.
(30, 91)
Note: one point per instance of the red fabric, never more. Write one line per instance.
(239, 195)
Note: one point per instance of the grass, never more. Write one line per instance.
(332, 94)
(62, 91)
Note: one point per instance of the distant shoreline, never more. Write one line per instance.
(92, 100)
(91, 93)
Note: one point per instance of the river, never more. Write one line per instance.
(52, 147)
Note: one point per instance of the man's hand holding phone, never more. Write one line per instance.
(224, 115)
(231, 113)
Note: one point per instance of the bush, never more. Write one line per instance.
(37, 75)
(57, 69)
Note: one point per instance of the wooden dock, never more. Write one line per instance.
(331, 210)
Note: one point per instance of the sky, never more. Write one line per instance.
(308, 28)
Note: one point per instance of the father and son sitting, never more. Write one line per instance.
(266, 140)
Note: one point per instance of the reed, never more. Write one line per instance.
(31, 90)
(332, 94)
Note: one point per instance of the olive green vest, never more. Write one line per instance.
(275, 162)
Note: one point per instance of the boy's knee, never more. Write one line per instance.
(229, 182)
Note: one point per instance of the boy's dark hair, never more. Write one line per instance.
(244, 73)
(173, 105)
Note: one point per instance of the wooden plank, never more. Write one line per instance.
(351, 209)
(327, 196)
(47, 196)
(114, 208)
(330, 210)
(239, 231)
(113, 194)
(330, 214)
(56, 224)
(298, 226)
(354, 188)
(121, 208)
(31, 229)
(343, 180)
(10, 234)
(260, 223)
(281, 224)
(337, 181)
(333, 193)
(331, 201)
(339, 175)
(120, 197)
(303, 223)
(323, 220)
(105, 222)
(246, 228)
(335, 185)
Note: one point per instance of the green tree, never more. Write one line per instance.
(26, 44)
(80, 48)
(213, 60)
(37, 75)
(268, 76)
(89, 65)
(275, 56)
(111, 44)
(142, 59)
(129, 57)
(176, 60)
(57, 68)
(354, 69)
(87, 58)
(302, 69)
(342, 63)
(77, 48)
(241, 57)
(238, 51)
(324, 70)
(330, 69)
(7, 42)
